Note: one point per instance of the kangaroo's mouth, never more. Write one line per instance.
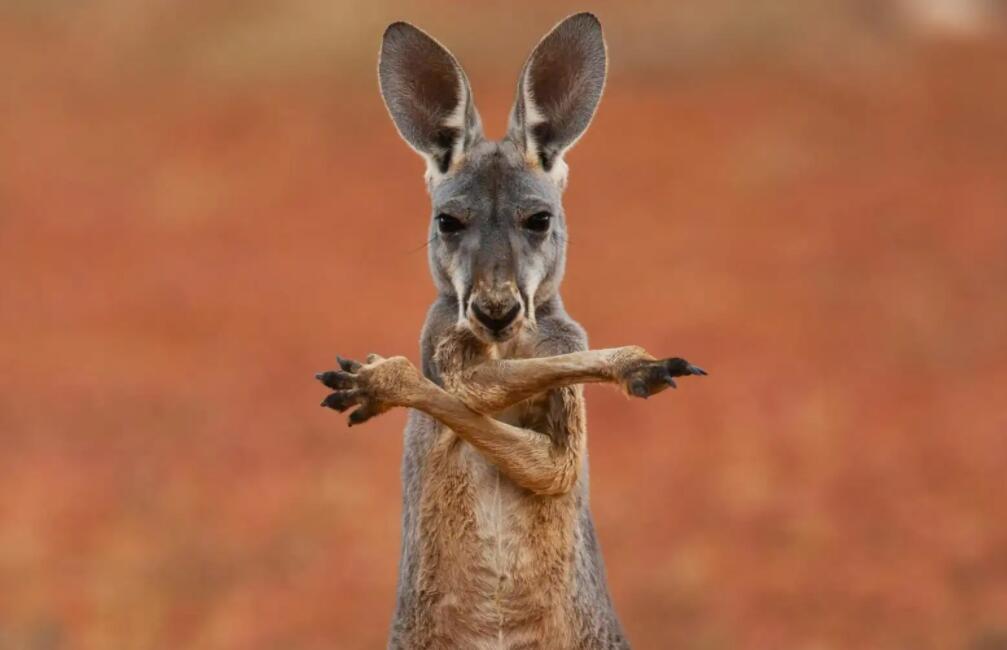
(495, 325)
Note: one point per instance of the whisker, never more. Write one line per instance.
(421, 246)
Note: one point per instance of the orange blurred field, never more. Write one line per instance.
(200, 206)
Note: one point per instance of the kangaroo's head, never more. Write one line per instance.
(498, 236)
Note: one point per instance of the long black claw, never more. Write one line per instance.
(680, 368)
(671, 382)
(335, 379)
(341, 400)
(361, 415)
(349, 365)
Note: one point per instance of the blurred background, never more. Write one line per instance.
(201, 203)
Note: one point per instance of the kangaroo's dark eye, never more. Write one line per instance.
(538, 222)
(447, 224)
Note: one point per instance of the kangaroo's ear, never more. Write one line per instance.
(558, 91)
(428, 96)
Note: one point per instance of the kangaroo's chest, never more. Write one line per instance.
(501, 553)
(502, 513)
(502, 516)
(503, 536)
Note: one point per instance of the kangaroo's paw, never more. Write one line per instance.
(373, 387)
(650, 377)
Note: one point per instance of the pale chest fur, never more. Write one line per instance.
(503, 554)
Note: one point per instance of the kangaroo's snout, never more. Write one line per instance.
(496, 324)
(498, 315)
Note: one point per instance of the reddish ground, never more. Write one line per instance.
(177, 260)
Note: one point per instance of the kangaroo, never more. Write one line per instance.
(498, 545)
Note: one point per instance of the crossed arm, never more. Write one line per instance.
(538, 462)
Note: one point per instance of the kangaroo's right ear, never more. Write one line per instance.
(428, 97)
(558, 92)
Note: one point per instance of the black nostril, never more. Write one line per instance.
(496, 324)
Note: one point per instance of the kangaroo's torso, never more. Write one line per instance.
(486, 563)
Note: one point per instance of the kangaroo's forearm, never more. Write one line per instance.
(494, 385)
(526, 456)
(545, 462)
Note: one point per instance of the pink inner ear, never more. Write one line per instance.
(436, 88)
(426, 82)
(555, 77)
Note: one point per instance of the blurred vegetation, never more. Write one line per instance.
(201, 203)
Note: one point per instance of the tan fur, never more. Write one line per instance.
(498, 506)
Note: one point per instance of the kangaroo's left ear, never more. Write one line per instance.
(558, 92)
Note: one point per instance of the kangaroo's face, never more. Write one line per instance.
(497, 239)
(497, 233)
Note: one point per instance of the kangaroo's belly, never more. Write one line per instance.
(498, 565)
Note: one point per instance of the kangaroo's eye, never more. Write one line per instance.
(447, 224)
(538, 222)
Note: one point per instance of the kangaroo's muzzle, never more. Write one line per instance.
(498, 318)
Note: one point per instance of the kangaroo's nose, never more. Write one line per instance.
(496, 320)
